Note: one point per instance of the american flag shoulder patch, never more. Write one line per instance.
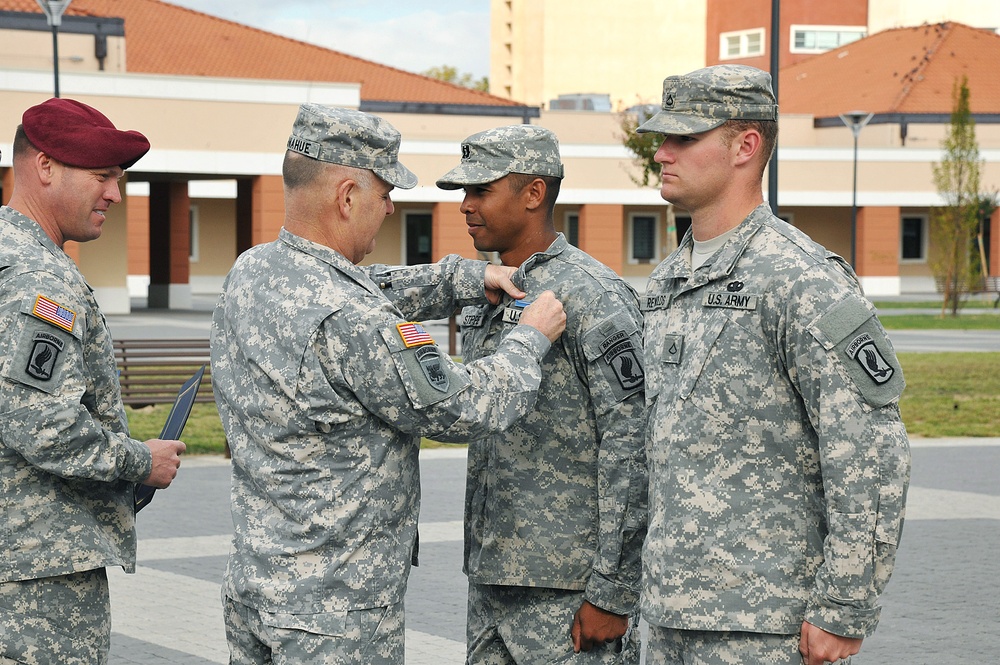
(49, 310)
(413, 334)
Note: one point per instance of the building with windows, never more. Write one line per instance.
(217, 101)
(541, 50)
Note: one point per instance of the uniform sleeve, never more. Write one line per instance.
(435, 290)
(850, 381)
(612, 347)
(394, 369)
(43, 395)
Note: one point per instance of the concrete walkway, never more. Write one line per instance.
(942, 605)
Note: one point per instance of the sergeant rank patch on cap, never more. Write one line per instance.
(51, 311)
(413, 334)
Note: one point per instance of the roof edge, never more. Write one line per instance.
(434, 108)
(80, 25)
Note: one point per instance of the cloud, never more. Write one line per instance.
(403, 34)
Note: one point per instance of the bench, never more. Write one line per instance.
(151, 371)
(992, 285)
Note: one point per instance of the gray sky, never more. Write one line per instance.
(409, 34)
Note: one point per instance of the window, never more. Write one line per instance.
(193, 248)
(821, 38)
(741, 44)
(642, 228)
(571, 228)
(417, 227)
(913, 240)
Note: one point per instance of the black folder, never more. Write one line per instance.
(172, 429)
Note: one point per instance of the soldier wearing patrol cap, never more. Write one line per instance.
(67, 464)
(778, 461)
(556, 504)
(324, 390)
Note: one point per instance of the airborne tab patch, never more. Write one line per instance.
(433, 368)
(44, 352)
(862, 349)
(413, 334)
(51, 311)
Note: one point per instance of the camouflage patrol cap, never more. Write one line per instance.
(350, 138)
(706, 98)
(490, 155)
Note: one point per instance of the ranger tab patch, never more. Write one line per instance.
(413, 334)
(620, 354)
(863, 350)
(51, 311)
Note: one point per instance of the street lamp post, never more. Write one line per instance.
(53, 13)
(856, 120)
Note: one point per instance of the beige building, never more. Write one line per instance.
(217, 101)
(567, 53)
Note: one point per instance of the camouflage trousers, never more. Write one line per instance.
(508, 625)
(371, 636)
(64, 619)
(668, 646)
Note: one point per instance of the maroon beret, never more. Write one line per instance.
(81, 136)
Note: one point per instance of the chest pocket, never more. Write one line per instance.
(474, 322)
(729, 370)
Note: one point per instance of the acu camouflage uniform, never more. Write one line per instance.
(557, 500)
(68, 466)
(778, 461)
(324, 391)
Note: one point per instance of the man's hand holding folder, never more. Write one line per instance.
(167, 449)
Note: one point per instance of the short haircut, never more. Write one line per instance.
(297, 171)
(768, 130)
(518, 181)
(22, 144)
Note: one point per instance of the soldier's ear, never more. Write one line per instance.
(346, 193)
(535, 194)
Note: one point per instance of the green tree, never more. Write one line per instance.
(450, 74)
(955, 225)
(642, 146)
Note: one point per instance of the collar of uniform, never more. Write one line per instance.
(557, 247)
(329, 256)
(27, 225)
(676, 266)
(731, 252)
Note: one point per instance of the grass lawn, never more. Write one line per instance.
(947, 394)
(951, 394)
(937, 322)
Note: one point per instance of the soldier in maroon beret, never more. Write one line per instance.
(68, 466)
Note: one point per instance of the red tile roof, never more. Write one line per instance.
(902, 70)
(167, 39)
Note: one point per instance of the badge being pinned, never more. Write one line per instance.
(413, 334)
(51, 311)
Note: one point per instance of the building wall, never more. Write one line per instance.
(884, 14)
(540, 49)
(228, 130)
(30, 49)
(726, 16)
